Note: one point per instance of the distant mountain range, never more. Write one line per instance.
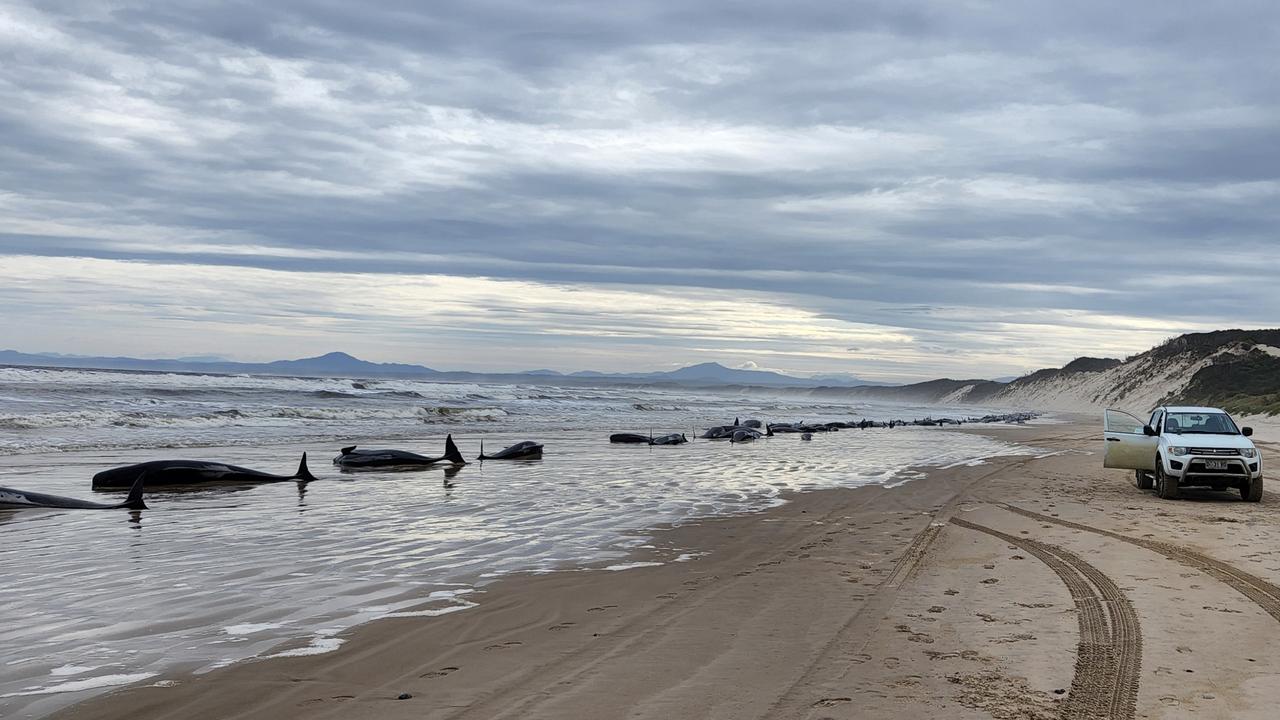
(1235, 369)
(339, 364)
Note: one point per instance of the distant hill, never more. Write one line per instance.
(1238, 370)
(332, 364)
(340, 363)
(721, 375)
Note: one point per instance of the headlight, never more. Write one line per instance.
(1249, 452)
(1174, 450)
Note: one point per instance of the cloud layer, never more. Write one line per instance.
(894, 189)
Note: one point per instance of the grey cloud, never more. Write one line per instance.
(851, 157)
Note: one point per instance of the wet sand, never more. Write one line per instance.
(1027, 587)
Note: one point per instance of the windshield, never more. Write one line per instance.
(1200, 424)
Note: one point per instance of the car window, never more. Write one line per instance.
(1209, 423)
(1116, 421)
(1155, 419)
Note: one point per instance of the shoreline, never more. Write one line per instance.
(713, 544)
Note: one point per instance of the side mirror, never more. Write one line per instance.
(1149, 431)
(1247, 432)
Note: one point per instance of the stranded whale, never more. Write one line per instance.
(632, 438)
(520, 451)
(192, 472)
(672, 439)
(638, 439)
(11, 499)
(351, 458)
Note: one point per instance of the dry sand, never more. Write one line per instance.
(1029, 587)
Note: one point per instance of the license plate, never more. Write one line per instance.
(1215, 464)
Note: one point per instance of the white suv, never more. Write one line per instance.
(1183, 447)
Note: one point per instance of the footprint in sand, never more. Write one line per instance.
(439, 673)
(505, 646)
(561, 626)
(990, 581)
(601, 608)
(831, 702)
(950, 591)
(666, 596)
(937, 609)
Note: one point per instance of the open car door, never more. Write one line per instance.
(1128, 445)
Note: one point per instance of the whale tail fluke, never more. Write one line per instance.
(451, 451)
(134, 501)
(304, 475)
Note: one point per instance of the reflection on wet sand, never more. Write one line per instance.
(214, 561)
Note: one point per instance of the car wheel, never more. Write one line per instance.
(1252, 490)
(1142, 479)
(1166, 487)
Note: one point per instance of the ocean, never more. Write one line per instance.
(97, 599)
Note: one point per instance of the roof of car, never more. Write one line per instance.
(1189, 409)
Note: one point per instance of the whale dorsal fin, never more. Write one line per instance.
(347, 450)
(134, 501)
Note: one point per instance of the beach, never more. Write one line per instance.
(1022, 586)
(211, 576)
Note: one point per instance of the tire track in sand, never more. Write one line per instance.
(1109, 651)
(1264, 594)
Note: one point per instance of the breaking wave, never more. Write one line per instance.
(232, 417)
(461, 414)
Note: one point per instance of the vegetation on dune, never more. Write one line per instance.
(1246, 384)
(1204, 344)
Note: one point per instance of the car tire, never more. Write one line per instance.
(1166, 487)
(1142, 479)
(1252, 490)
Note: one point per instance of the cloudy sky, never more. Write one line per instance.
(895, 189)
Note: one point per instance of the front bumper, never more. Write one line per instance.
(1219, 470)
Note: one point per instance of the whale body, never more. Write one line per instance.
(522, 450)
(12, 499)
(632, 438)
(638, 439)
(192, 472)
(353, 458)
